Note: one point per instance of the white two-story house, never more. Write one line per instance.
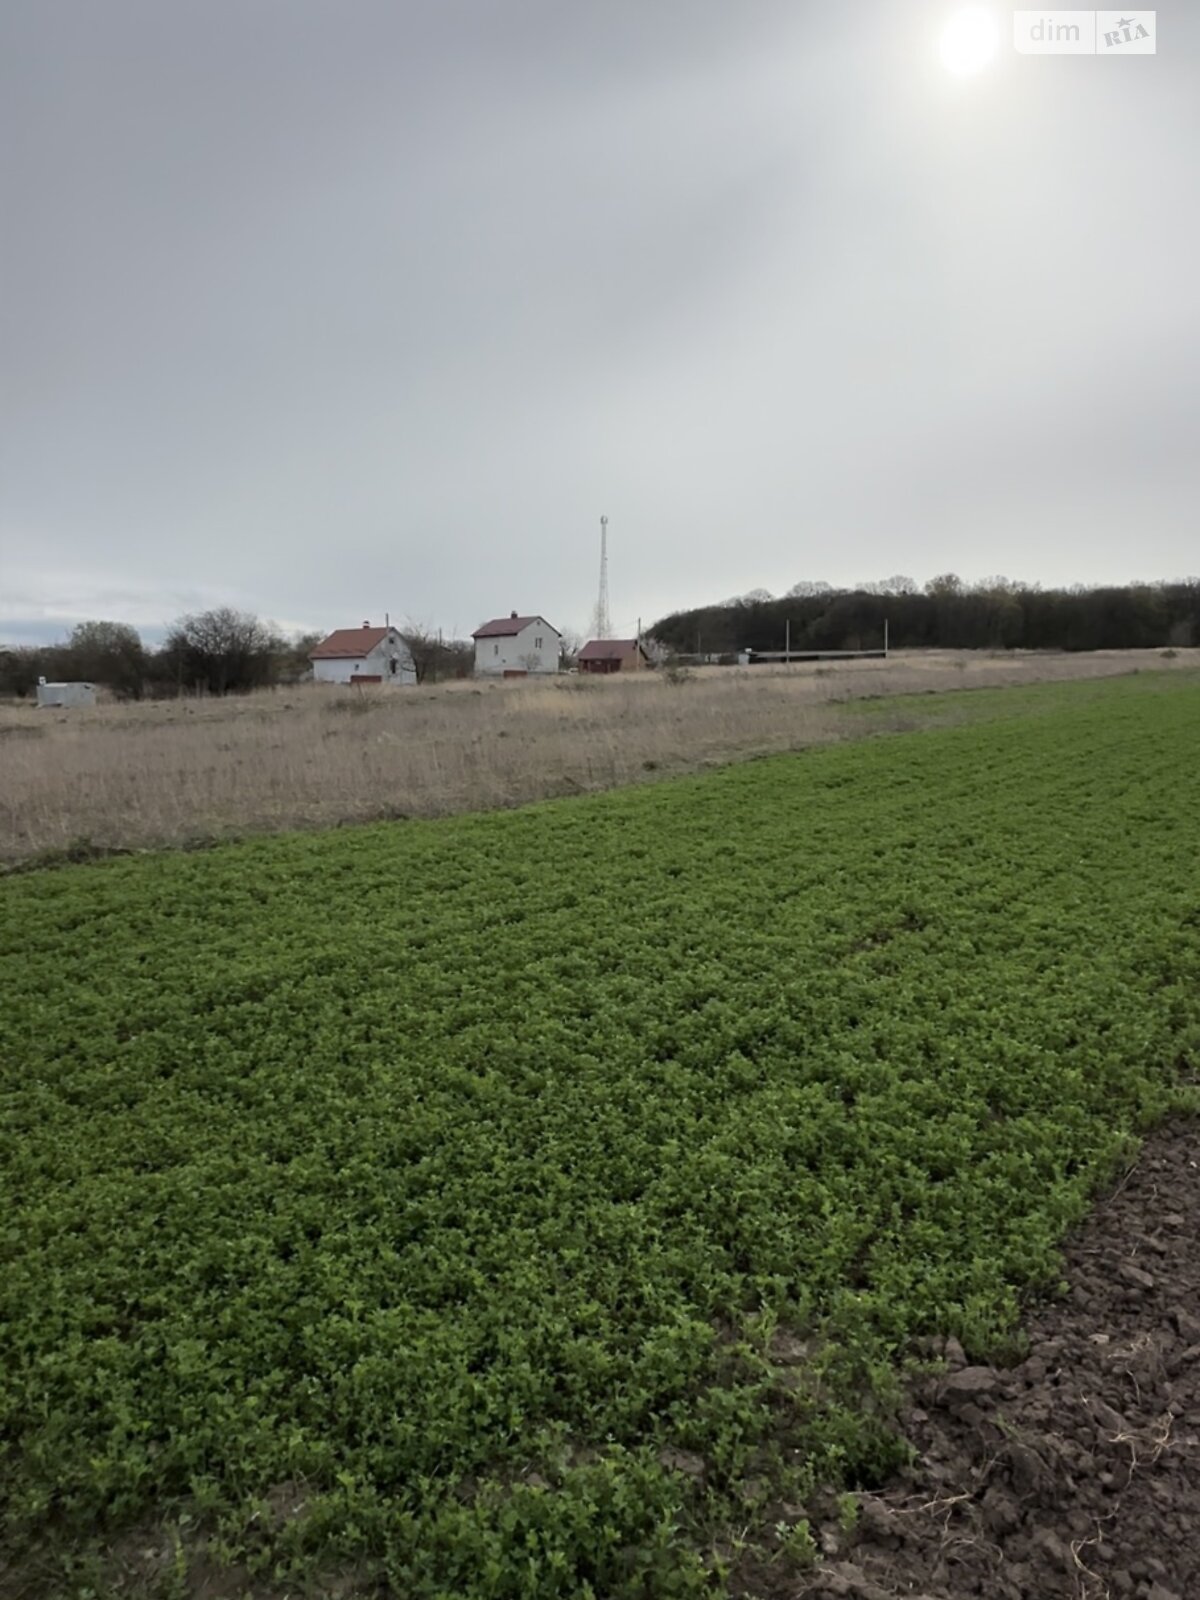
(514, 646)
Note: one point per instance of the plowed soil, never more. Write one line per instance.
(1076, 1473)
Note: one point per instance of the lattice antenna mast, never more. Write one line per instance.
(603, 627)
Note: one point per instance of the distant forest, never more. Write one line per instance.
(946, 613)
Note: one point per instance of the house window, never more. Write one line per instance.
(537, 644)
(392, 666)
(495, 649)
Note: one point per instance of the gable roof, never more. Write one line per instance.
(344, 642)
(612, 650)
(507, 627)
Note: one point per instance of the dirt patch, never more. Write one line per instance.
(1077, 1473)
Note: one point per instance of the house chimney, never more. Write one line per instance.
(512, 614)
(367, 623)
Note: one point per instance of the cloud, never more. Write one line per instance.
(329, 311)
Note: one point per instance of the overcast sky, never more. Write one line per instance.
(330, 309)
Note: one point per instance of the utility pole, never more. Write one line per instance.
(787, 641)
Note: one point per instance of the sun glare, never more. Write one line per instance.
(970, 41)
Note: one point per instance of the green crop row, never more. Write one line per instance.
(463, 1182)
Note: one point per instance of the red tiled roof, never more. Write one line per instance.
(610, 650)
(344, 642)
(506, 627)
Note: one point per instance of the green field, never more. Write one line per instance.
(537, 1202)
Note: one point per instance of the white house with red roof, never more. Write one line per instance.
(516, 646)
(364, 655)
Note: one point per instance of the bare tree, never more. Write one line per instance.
(20, 668)
(293, 664)
(947, 583)
(111, 653)
(434, 657)
(221, 651)
(424, 645)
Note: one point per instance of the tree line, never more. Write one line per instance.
(946, 613)
(222, 651)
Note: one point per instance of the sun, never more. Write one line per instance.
(969, 41)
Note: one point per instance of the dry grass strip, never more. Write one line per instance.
(172, 772)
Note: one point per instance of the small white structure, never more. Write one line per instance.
(514, 646)
(65, 694)
(363, 655)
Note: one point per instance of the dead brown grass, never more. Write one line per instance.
(170, 772)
